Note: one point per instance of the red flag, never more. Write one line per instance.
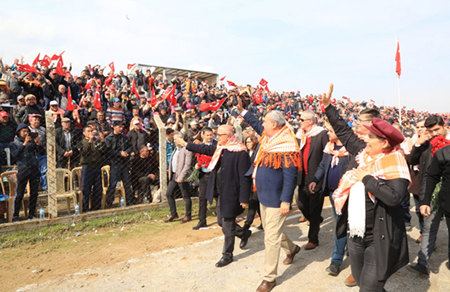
(373, 101)
(54, 58)
(230, 83)
(129, 66)
(288, 116)
(170, 95)
(322, 108)
(70, 105)
(59, 69)
(333, 101)
(35, 62)
(153, 101)
(223, 78)
(27, 68)
(212, 106)
(109, 79)
(45, 61)
(88, 84)
(398, 67)
(111, 65)
(97, 101)
(133, 88)
(257, 97)
(263, 82)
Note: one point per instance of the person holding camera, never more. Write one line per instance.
(92, 149)
(25, 148)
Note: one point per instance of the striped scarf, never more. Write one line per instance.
(386, 166)
(280, 148)
(232, 145)
(329, 149)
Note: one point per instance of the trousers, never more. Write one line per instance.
(184, 187)
(339, 244)
(91, 179)
(230, 230)
(25, 175)
(429, 236)
(311, 207)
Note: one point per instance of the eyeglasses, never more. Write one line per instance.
(302, 120)
(219, 135)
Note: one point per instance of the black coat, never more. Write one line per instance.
(389, 233)
(421, 156)
(234, 186)
(439, 167)
(61, 147)
(315, 155)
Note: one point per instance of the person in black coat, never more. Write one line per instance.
(228, 167)
(66, 145)
(252, 144)
(382, 249)
(312, 141)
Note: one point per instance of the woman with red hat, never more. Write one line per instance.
(369, 201)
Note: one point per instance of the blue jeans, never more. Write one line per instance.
(339, 244)
(119, 172)
(429, 235)
(42, 162)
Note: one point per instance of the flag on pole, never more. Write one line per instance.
(27, 68)
(398, 67)
(129, 66)
(212, 106)
(36, 61)
(111, 65)
(257, 97)
(46, 61)
(223, 78)
(263, 84)
(231, 83)
(59, 69)
(97, 101)
(170, 95)
(109, 79)
(153, 100)
(70, 105)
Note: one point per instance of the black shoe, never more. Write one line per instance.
(15, 219)
(199, 225)
(418, 269)
(333, 269)
(244, 240)
(224, 262)
(32, 217)
(260, 227)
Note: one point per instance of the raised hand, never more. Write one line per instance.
(326, 98)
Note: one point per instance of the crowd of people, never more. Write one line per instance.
(251, 149)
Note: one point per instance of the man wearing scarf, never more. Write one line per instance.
(275, 173)
(312, 140)
(230, 161)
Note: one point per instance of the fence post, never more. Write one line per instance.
(162, 157)
(51, 166)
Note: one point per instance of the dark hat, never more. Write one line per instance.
(383, 129)
(117, 123)
(21, 126)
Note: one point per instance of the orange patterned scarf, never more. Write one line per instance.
(385, 166)
(329, 149)
(233, 145)
(280, 148)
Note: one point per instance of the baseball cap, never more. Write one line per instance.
(3, 114)
(53, 102)
(116, 99)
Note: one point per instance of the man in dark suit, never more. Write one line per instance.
(66, 146)
(208, 139)
(228, 166)
(275, 177)
(312, 140)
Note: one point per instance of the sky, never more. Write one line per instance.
(294, 45)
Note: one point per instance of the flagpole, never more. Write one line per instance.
(399, 104)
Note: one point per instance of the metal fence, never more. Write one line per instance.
(92, 168)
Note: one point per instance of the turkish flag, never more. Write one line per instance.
(333, 101)
(373, 101)
(129, 66)
(111, 65)
(109, 79)
(322, 108)
(170, 96)
(133, 88)
(257, 97)
(70, 105)
(212, 106)
(45, 61)
(36, 61)
(59, 69)
(263, 82)
(398, 67)
(27, 68)
(97, 101)
(88, 84)
(54, 58)
(288, 116)
(223, 78)
(153, 100)
(230, 83)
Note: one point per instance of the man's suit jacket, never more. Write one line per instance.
(315, 155)
(184, 164)
(229, 173)
(61, 144)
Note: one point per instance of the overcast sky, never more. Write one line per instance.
(294, 45)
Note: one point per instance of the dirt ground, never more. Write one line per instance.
(172, 257)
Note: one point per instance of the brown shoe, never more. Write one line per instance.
(290, 257)
(170, 218)
(419, 240)
(310, 246)
(350, 281)
(302, 219)
(266, 286)
(186, 219)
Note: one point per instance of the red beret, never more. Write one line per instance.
(385, 130)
